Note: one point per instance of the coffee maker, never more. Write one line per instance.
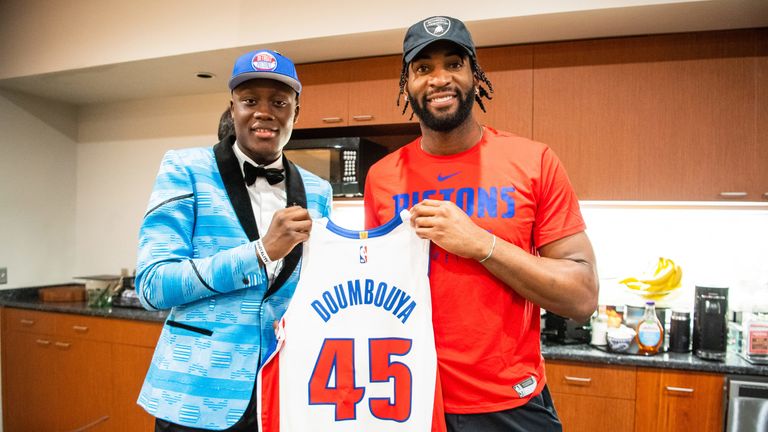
(710, 326)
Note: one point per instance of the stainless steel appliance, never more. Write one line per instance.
(747, 404)
(710, 325)
(344, 162)
(564, 331)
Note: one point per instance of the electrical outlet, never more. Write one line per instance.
(3, 275)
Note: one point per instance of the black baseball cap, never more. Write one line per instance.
(434, 29)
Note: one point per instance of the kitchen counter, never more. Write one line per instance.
(26, 298)
(733, 364)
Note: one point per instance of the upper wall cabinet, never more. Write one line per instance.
(351, 93)
(510, 70)
(671, 117)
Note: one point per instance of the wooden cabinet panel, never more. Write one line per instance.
(28, 321)
(589, 413)
(579, 390)
(84, 374)
(324, 95)
(658, 117)
(130, 365)
(510, 70)
(374, 84)
(83, 381)
(616, 382)
(678, 401)
(29, 388)
(83, 327)
(761, 79)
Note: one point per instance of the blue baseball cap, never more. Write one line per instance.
(265, 64)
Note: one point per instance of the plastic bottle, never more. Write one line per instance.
(650, 332)
(600, 327)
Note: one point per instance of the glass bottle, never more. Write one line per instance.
(650, 332)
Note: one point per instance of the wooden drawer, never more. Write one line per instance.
(29, 321)
(139, 333)
(83, 327)
(593, 380)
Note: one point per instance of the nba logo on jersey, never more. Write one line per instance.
(363, 254)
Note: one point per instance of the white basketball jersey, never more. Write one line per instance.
(356, 348)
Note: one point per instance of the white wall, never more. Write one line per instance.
(118, 155)
(37, 190)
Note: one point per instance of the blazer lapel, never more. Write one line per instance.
(235, 186)
(296, 195)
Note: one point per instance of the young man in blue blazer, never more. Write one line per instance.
(220, 246)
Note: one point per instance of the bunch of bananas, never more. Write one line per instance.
(665, 279)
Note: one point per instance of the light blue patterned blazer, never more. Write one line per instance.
(196, 256)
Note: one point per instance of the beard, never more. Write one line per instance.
(446, 122)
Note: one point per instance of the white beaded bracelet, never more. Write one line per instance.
(493, 246)
(262, 252)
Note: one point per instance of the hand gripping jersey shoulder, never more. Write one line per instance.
(356, 346)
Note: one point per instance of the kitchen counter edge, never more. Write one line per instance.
(26, 298)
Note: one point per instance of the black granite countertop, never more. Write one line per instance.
(733, 364)
(26, 298)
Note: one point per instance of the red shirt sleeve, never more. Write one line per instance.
(557, 214)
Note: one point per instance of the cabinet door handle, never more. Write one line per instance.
(733, 195)
(578, 380)
(79, 328)
(362, 117)
(90, 425)
(42, 342)
(331, 120)
(27, 322)
(679, 389)
(63, 345)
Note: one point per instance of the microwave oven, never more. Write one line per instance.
(343, 162)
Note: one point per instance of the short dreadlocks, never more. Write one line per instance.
(478, 73)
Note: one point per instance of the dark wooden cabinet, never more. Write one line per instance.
(510, 70)
(669, 117)
(580, 391)
(356, 92)
(70, 372)
(670, 400)
(625, 398)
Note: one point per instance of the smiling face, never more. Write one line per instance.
(441, 86)
(263, 111)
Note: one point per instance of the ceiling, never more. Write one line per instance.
(175, 75)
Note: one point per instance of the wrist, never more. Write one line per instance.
(261, 252)
(490, 249)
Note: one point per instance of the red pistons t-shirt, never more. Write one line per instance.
(486, 335)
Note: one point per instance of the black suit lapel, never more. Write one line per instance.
(296, 195)
(232, 176)
(229, 167)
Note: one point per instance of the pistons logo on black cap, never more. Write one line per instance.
(437, 26)
(264, 61)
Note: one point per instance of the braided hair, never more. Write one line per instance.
(477, 72)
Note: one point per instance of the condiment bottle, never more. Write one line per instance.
(650, 332)
(600, 327)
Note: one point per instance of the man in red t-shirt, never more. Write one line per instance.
(506, 230)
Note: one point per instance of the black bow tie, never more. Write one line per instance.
(273, 175)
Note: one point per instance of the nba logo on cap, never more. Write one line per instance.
(363, 254)
(264, 61)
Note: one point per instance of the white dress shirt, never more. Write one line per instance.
(266, 199)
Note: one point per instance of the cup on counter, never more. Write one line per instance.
(680, 331)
